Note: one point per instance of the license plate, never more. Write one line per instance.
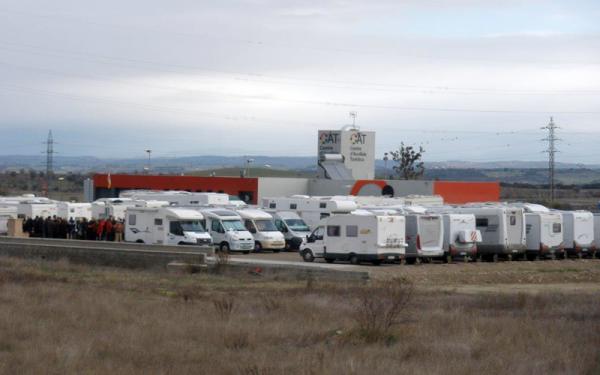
(463, 253)
(246, 246)
(515, 251)
(391, 257)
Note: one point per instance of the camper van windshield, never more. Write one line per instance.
(192, 226)
(235, 225)
(265, 225)
(297, 225)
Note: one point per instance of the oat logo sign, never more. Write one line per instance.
(358, 138)
(328, 138)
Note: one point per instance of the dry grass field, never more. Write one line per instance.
(59, 318)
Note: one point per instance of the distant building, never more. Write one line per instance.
(346, 154)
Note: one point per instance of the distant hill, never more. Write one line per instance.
(207, 162)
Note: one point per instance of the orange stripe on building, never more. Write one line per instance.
(457, 192)
(358, 185)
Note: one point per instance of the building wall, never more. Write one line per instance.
(357, 147)
(281, 187)
(459, 192)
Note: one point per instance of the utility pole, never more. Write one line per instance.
(49, 162)
(551, 151)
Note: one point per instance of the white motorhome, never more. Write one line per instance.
(502, 230)
(68, 210)
(424, 234)
(7, 211)
(33, 208)
(460, 234)
(544, 234)
(578, 233)
(311, 209)
(165, 225)
(178, 198)
(357, 238)
(227, 230)
(263, 229)
(106, 207)
(294, 229)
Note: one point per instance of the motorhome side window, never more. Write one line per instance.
(481, 222)
(131, 220)
(323, 205)
(513, 220)
(333, 230)
(272, 205)
(158, 222)
(556, 228)
(324, 215)
(293, 206)
(351, 230)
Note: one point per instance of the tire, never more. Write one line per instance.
(410, 260)
(288, 246)
(354, 259)
(329, 260)
(531, 257)
(308, 256)
(494, 258)
(139, 241)
(224, 247)
(376, 262)
(257, 247)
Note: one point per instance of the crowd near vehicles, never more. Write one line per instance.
(294, 229)
(335, 228)
(165, 226)
(357, 238)
(265, 233)
(227, 230)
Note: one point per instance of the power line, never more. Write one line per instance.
(551, 150)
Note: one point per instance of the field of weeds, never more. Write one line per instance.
(58, 318)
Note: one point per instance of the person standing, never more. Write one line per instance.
(119, 229)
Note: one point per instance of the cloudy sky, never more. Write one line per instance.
(468, 79)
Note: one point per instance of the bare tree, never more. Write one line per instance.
(408, 163)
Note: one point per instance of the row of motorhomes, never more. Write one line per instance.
(351, 228)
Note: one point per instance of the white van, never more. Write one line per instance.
(106, 207)
(578, 233)
(311, 209)
(263, 229)
(460, 236)
(227, 230)
(544, 235)
(35, 208)
(294, 229)
(502, 230)
(165, 225)
(68, 210)
(357, 238)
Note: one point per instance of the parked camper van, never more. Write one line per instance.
(227, 230)
(165, 225)
(178, 198)
(35, 208)
(115, 207)
(424, 235)
(502, 230)
(263, 229)
(294, 229)
(460, 236)
(311, 209)
(544, 234)
(579, 233)
(597, 233)
(357, 238)
(68, 210)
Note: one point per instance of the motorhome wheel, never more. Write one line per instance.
(308, 256)
(257, 247)
(354, 259)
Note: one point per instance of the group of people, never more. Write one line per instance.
(81, 229)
